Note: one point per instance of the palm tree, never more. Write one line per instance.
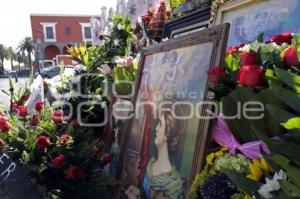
(2, 56)
(19, 59)
(11, 56)
(27, 45)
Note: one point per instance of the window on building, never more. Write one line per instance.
(49, 33)
(68, 31)
(87, 32)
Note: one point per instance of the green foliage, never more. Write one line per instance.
(290, 79)
(199, 180)
(281, 99)
(232, 62)
(293, 123)
(260, 38)
(238, 163)
(174, 3)
(288, 97)
(243, 183)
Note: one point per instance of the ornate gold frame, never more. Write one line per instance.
(219, 7)
(218, 35)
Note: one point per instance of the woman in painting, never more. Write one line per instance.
(162, 180)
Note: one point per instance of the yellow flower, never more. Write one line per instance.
(247, 197)
(255, 172)
(82, 49)
(257, 167)
(265, 166)
(211, 157)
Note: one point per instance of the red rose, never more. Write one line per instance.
(64, 139)
(2, 144)
(145, 19)
(249, 58)
(34, 120)
(75, 173)
(234, 49)
(15, 106)
(215, 73)
(57, 117)
(250, 75)
(39, 106)
(4, 125)
(22, 110)
(58, 161)
(282, 38)
(290, 57)
(25, 98)
(42, 142)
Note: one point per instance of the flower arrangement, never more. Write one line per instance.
(266, 72)
(58, 154)
(212, 183)
(152, 23)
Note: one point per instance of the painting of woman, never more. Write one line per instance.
(162, 180)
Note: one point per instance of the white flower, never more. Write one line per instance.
(111, 24)
(120, 26)
(245, 48)
(116, 42)
(107, 31)
(80, 67)
(281, 175)
(272, 185)
(98, 97)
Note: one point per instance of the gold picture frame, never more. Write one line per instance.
(211, 42)
(250, 18)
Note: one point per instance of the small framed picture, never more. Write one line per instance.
(249, 18)
(168, 133)
(189, 23)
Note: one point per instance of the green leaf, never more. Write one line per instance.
(289, 188)
(292, 171)
(260, 38)
(280, 115)
(239, 125)
(269, 124)
(232, 63)
(5, 92)
(11, 84)
(246, 185)
(281, 146)
(289, 98)
(293, 123)
(289, 78)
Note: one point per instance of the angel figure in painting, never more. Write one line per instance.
(162, 180)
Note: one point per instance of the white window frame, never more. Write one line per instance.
(53, 26)
(83, 25)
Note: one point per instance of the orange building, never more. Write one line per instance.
(52, 34)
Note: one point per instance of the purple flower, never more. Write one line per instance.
(106, 69)
(217, 186)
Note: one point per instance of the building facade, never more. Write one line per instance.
(52, 34)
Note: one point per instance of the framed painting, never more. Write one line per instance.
(167, 134)
(249, 18)
(192, 22)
